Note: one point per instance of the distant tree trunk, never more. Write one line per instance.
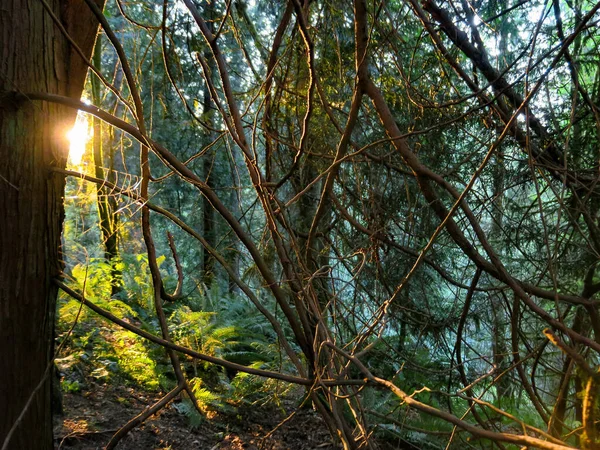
(107, 204)
(234, 243)
(208, 213)
(34, 57)
(498, 313)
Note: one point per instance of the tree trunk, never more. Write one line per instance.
(105, 201)
(34, 57)
(208, 162)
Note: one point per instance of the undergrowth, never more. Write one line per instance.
(101, 352)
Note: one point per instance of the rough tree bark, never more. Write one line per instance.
(35, 56)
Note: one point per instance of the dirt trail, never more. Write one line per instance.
(91, 418)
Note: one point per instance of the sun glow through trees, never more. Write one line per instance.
(78, 137)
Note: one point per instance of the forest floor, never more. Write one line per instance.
(90, 419)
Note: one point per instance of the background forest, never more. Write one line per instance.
(383, 210)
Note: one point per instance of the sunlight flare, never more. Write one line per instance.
(78, 137)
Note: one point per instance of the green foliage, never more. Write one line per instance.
(112, 355)
(204, 397)
(69, 386)
(187, 409)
